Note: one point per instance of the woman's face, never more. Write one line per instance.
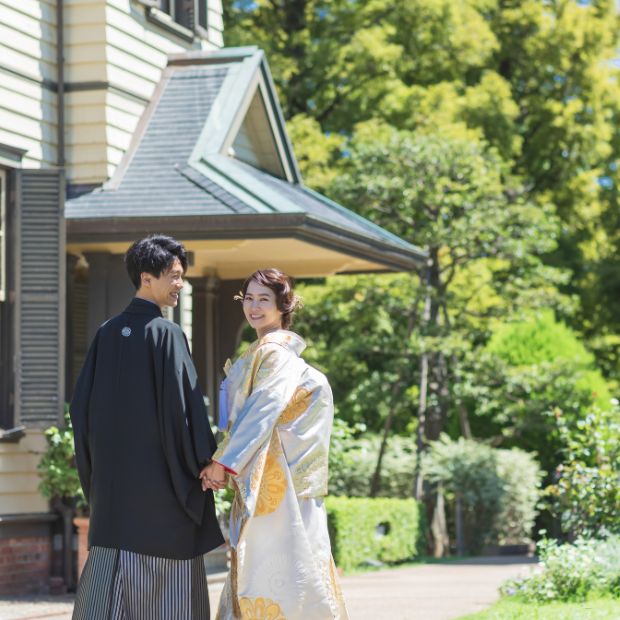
(259, 307)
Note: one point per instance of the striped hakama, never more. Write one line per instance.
(122, 585)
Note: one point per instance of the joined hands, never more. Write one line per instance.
(213, 477)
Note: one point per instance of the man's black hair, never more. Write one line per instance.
(153, 254)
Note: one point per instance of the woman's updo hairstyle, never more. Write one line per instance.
(282, 285)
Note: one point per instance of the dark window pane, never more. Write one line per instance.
(202, 13)
(184, 13)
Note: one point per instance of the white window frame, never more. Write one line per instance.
(169, 20)
(3, 234)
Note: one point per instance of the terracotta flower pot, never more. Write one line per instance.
(82, 524)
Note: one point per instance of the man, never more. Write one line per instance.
(142, 438)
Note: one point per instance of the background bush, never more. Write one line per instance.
(521, 478)
(355, 526)
(498, 500)
(526, 370)
(585, 495)
(353, 458)
(571, 572)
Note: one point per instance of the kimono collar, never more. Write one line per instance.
(143, 306)
(289, 340)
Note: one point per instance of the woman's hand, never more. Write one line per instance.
(213, 476)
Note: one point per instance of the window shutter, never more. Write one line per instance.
(40, 311)
(3, 235)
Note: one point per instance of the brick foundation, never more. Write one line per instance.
(25, 554)
(25, 565)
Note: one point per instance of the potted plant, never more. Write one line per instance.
(61, 485)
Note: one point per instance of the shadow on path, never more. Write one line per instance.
(500, 560)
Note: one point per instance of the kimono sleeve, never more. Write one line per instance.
(79, 412)
(274, 380)
(187, 440)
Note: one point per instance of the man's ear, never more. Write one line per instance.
(145, 279)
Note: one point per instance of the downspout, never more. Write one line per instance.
(60, 68)
(66, 511)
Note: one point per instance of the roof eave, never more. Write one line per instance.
(249, 226)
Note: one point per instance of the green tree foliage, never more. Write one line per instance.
(526, 370)
(534, 79)
(487, 132)
(450, 196)
(362, 371)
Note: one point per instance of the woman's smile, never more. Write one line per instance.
(260, 309)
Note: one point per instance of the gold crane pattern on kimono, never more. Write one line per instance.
(280, 412)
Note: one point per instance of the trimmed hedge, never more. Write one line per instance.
(366, 530)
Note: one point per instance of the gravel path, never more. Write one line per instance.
(426, 592)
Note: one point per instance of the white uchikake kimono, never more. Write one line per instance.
(280, 413)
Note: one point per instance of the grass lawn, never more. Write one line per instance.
(602, 609)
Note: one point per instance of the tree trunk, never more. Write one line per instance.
(376, 478)
(418, 490)
(464, 421)
(419, 479)
(439, 396)
(439, 528)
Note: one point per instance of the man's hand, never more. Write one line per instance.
(213, 476)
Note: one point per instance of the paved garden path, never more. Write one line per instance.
(425, 592)
(430, 591)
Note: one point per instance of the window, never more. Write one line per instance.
(190, 14)
(201, 13)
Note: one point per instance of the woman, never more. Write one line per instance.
(278, 412)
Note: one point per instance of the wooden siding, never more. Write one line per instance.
(115, 58)
(215, 22)
(27, 74)
(19, 479)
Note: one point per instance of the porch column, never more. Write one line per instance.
(204, 340)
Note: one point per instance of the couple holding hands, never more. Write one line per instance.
(148, 461)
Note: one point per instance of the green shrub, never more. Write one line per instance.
(367, 530)
(527, 369)
(521, 478)
(571, 572)
(498, 500)
(59, 476)
(586, 493)
(353, 458)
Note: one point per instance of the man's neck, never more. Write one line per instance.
(144, 297)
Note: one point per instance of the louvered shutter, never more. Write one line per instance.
(40, 258)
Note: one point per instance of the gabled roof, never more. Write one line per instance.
(211, 158)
